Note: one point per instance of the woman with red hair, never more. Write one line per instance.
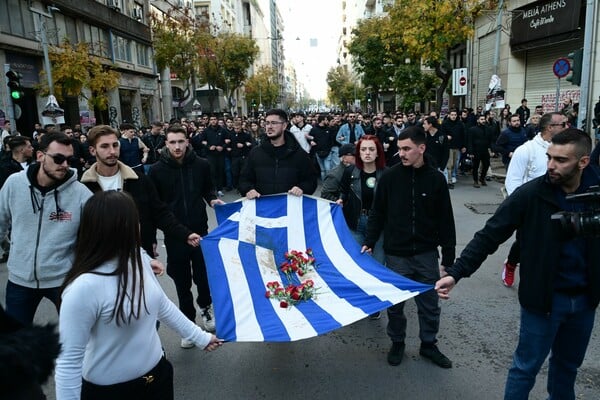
(357, 189)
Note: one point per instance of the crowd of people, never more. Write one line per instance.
(88, 206)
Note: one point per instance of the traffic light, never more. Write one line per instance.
(253, 103)
(576, 58)
(14, 85)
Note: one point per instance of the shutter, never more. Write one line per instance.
(485, 65)
(540, 81)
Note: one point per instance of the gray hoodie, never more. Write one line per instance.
(44, 228)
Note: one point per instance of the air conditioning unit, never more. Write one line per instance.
(113, 4)
(136, 14)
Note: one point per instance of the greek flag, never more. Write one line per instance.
(242, 255)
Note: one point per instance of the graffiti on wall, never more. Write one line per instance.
(112, 117)
(549, 99)
(135, 116)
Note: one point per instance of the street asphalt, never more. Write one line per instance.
(479, 331)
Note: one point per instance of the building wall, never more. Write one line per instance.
(526, 68)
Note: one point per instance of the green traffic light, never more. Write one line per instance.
(15, 95)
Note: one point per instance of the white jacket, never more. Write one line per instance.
(528, 162)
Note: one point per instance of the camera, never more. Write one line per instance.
(581, 223)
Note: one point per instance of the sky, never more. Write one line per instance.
(308, 20)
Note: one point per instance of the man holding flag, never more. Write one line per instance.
(278, 165)
(412, 207)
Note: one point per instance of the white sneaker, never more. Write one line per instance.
(208, 318)
(453, 180)
(220, 193)
(186, 344)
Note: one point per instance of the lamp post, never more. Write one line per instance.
(44, 41)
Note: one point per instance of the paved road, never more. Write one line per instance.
(478, 332)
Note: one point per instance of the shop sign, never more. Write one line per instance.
(543, 19)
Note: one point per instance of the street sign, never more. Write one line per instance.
(459, 82)
(561, 67)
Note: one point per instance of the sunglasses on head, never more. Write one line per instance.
(61, 158)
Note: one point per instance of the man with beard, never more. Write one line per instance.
(560, 277)
(43, 205)
(479, 145)
(511, 138)
(278, 165)
(182, 181)
(350, 132)
(108, 173)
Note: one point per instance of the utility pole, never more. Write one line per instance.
(498, 32)
(590, 11)
(44, 39)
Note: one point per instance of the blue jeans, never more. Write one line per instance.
(361, 232)
(564, 333)
(324, 165)
(22, 302)
(335, 156)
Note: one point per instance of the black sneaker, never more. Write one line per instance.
(396, 353)
(434, 354)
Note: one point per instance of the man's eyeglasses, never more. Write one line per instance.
(267, 123)
(563, 124)
(61, 158)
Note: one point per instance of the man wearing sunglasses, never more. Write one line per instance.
(528, 162)
(278, 165)
(42, 204)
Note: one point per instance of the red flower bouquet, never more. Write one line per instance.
(297, 263)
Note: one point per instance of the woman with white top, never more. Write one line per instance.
(110, 303)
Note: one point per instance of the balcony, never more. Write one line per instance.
(106, 17)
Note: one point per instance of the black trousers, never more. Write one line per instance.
(156, 384)
(237, 163)
(185, 264)
(484, 160)
(217, 169)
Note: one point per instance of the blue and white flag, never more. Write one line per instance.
(242, 255)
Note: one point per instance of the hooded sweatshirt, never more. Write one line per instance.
(44, 227)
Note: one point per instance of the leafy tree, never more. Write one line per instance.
(413, 85)
(429, 29)
(262, 88)
(225, 60)
(75, 69)
(175, 35)
(371, 54)
(343, 89)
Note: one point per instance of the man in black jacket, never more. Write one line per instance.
(278, 165)
(454, 129)
(216, 139)
(238, 149)
(155, 141)
(412, 207)
(108, 173)
(560, 273)
(479, 145)
(183, 182)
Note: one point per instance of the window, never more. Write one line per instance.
(142, 54)
(122, 49)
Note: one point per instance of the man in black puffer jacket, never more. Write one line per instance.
(278, 165)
